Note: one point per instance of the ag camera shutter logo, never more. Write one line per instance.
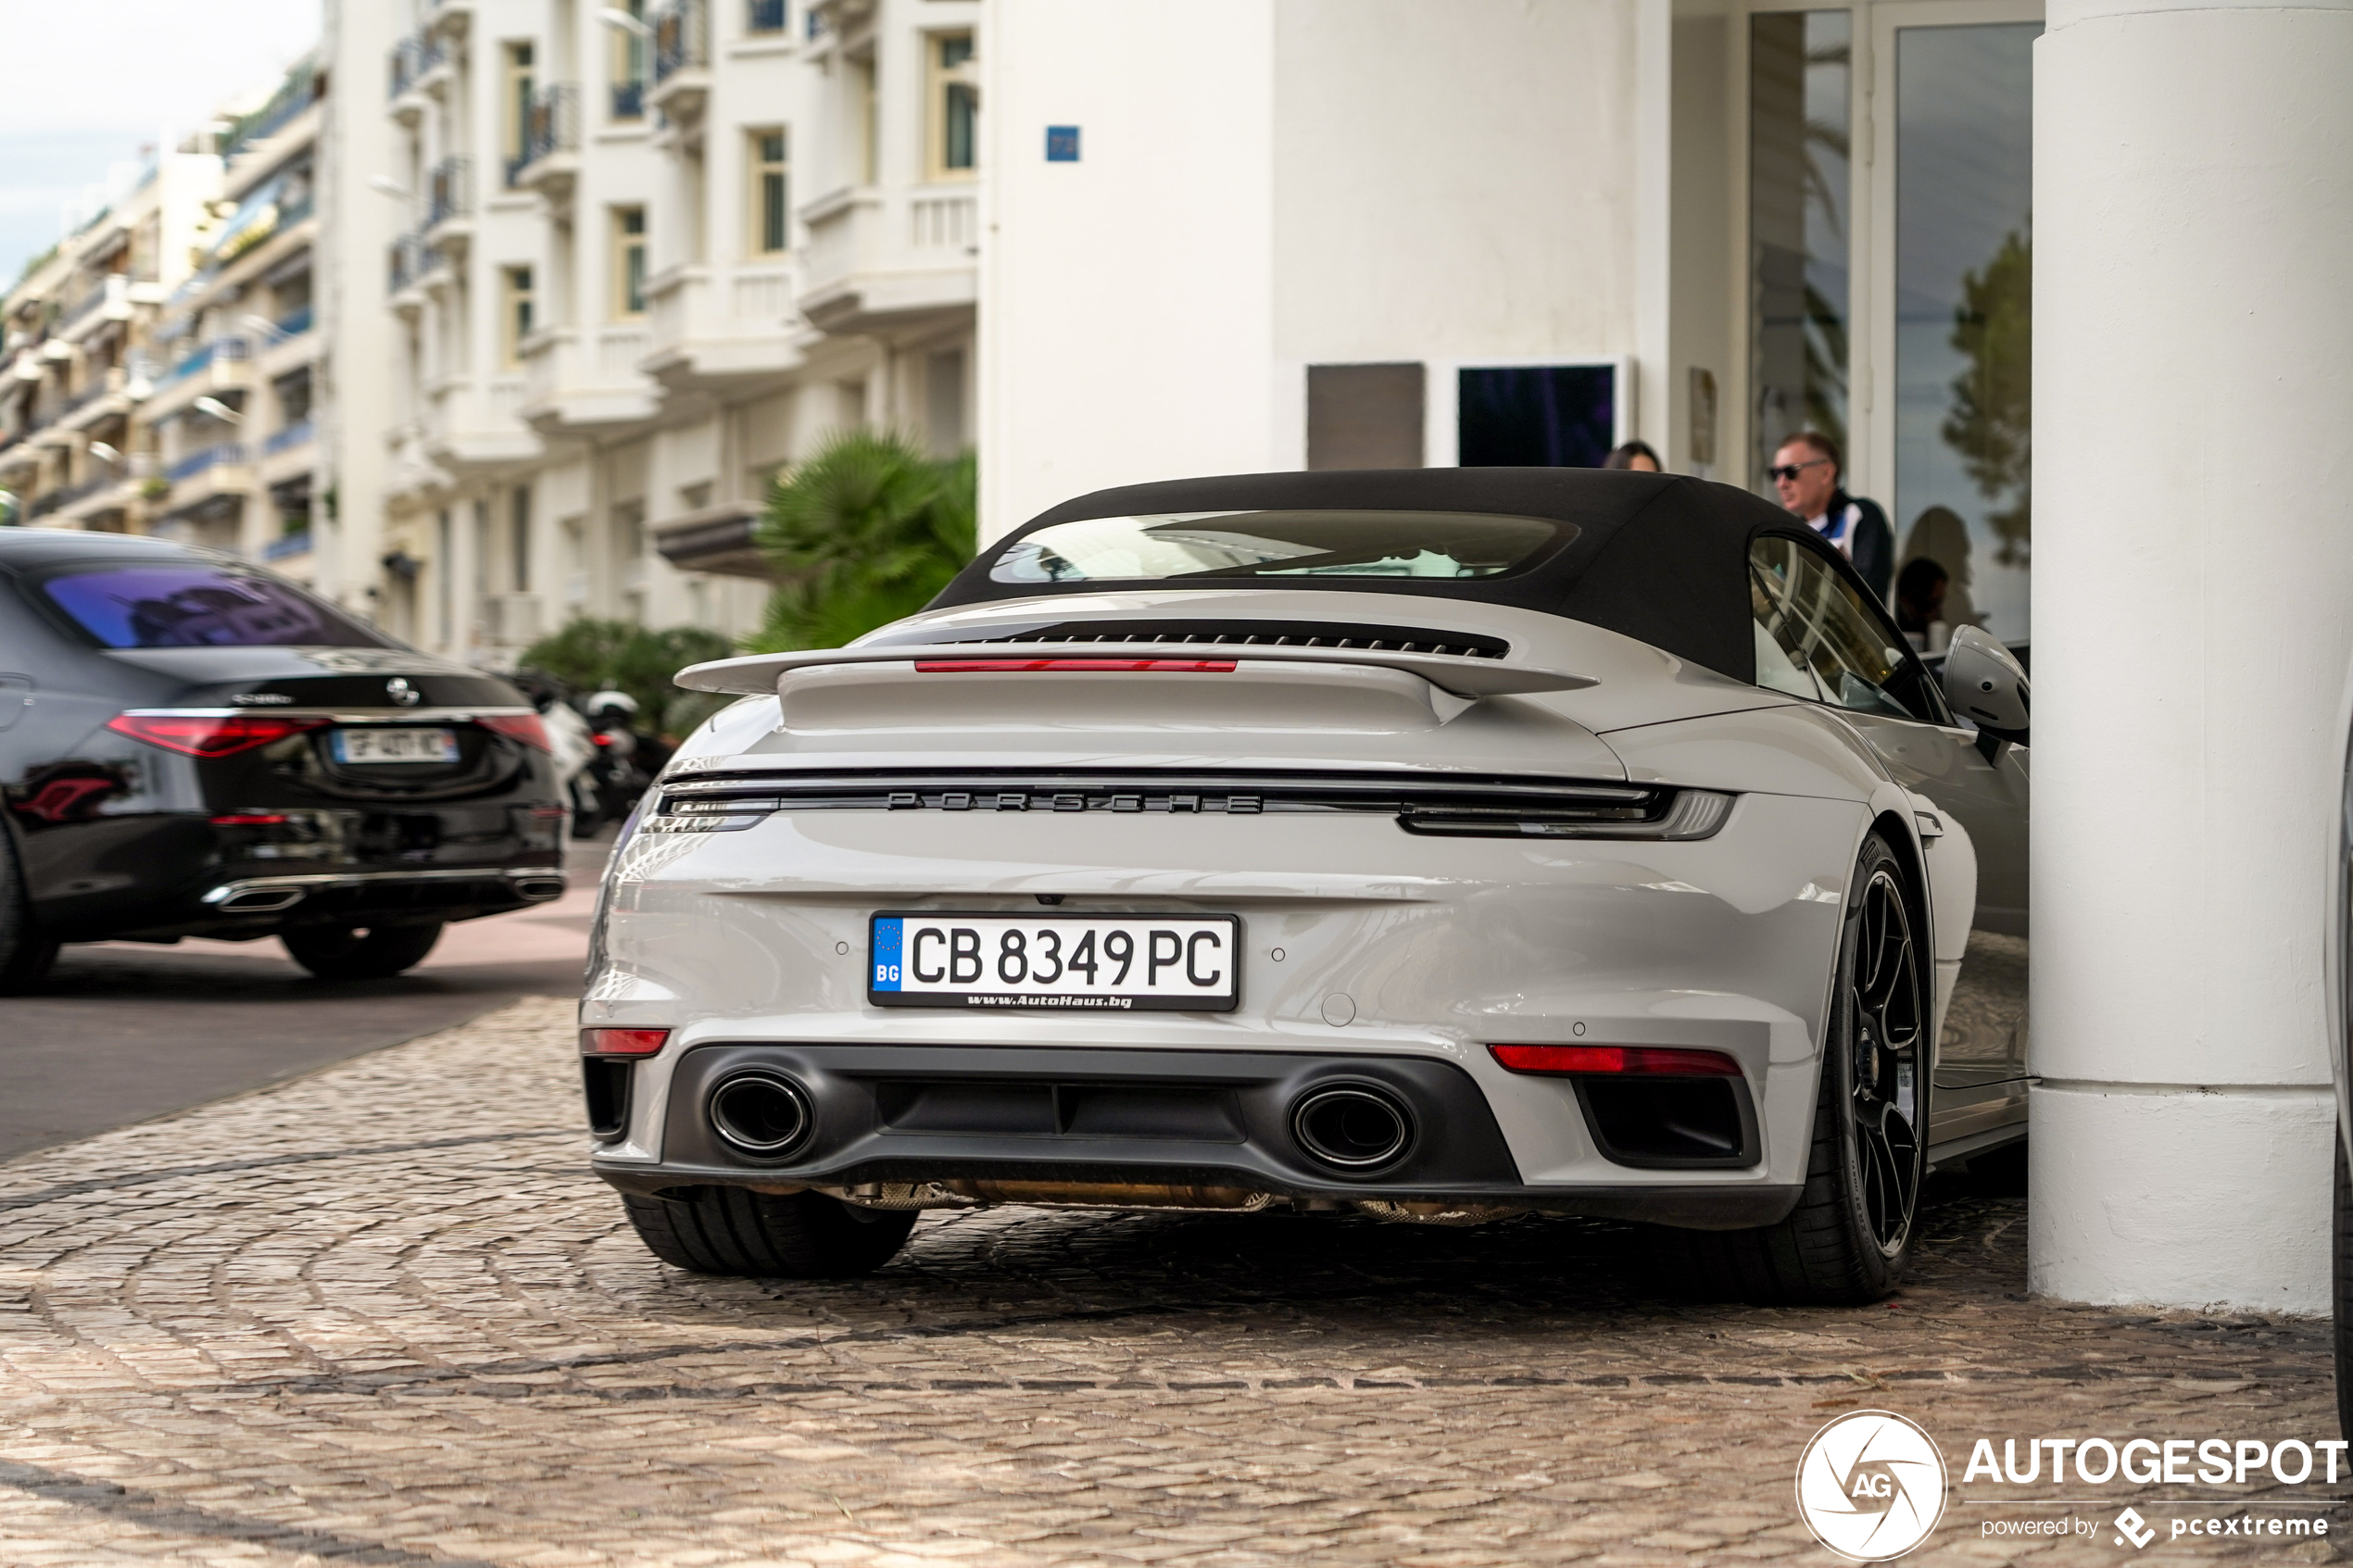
(1870, 1485)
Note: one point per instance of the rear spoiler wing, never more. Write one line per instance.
(763, 673)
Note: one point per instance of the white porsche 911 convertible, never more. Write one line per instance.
(1434, 845)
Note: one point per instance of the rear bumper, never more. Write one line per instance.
(342, 893)
(1074, 1120)
(168, 875)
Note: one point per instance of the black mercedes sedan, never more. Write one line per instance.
(192, 746)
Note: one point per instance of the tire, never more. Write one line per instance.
(1849, 1238)
(343, 952)
(25, 955)
(2341, 1280)
(805, 1236)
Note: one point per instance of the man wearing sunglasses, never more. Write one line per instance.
(1806, 472)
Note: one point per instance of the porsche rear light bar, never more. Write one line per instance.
(1649, 1062)
(1099, 666)
(207, 735)
(622, 1042)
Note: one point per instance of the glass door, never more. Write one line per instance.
(1952, 258)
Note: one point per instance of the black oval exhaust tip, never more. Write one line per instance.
(762, 1113)
(1353, 1128)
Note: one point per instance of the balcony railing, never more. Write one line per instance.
(287, 545)
(220, 349)
(287, 439)
(113, 285)
(450, 191)
(290, 99)
(294, 324)
(629, 100)
(682, 38)
(227, 454)
(764, 16)
(409, 260)
(66, 495)
(551, 127)
(411, 59)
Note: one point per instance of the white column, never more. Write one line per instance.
(2193, 614)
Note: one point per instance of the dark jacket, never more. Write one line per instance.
(1872, 549)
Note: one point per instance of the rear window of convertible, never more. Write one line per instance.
(1172, 547)
(195, 605)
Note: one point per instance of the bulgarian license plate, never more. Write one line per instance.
(1082, 963)
(370, 746)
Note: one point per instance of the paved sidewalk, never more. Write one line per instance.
(383, 1315)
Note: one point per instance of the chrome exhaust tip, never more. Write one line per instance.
(539, 889)
(1353, 1128)
(760, 1113)
(261, 901)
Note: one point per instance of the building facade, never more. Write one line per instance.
(645, 256)
(1396, 232)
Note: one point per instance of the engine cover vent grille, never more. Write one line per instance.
(1269, 634)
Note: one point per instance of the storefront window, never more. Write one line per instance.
(1800, 79)
(1964, 271)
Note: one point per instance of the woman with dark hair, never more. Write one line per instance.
(1634, 455)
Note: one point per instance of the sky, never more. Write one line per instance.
(91, 82)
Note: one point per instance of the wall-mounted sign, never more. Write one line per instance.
(1062, 144)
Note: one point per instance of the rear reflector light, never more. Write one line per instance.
(209, 735)
(525, 727)
(1122, 666)
(251, 820)
(622, 1042)
(1657, 1062)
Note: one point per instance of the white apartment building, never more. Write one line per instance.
(80, 357)
(647, 254)
(169, 369)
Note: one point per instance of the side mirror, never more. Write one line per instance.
(1983, 680)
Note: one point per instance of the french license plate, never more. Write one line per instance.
(1075, 962)
(371, 747)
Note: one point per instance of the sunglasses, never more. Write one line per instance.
(1790, 470)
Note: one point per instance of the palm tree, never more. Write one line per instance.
(864, 531)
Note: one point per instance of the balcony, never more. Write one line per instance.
(887, 260)
(474, 426)
(449, 204)
(106, 300)
(722, 328)
(210, 482)
(721, 538)
(286, 546)
(57, 500)
(628, 100)
(584, 381)
(299, 90)
(414, 60)
(549, 162)
(101, 400)
(288, 453)
(410, 262)
(682, 60)
(223, 365)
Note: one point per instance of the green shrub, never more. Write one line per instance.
(864, 531)
(591, 654)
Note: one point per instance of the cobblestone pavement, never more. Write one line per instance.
(383, 1315)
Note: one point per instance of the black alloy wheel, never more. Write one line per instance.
(1887, 1011)
(1851, 1235)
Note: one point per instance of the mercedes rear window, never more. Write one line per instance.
(1174, 547)
(195, 605)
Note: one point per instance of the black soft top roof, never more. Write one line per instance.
(1659, 558)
